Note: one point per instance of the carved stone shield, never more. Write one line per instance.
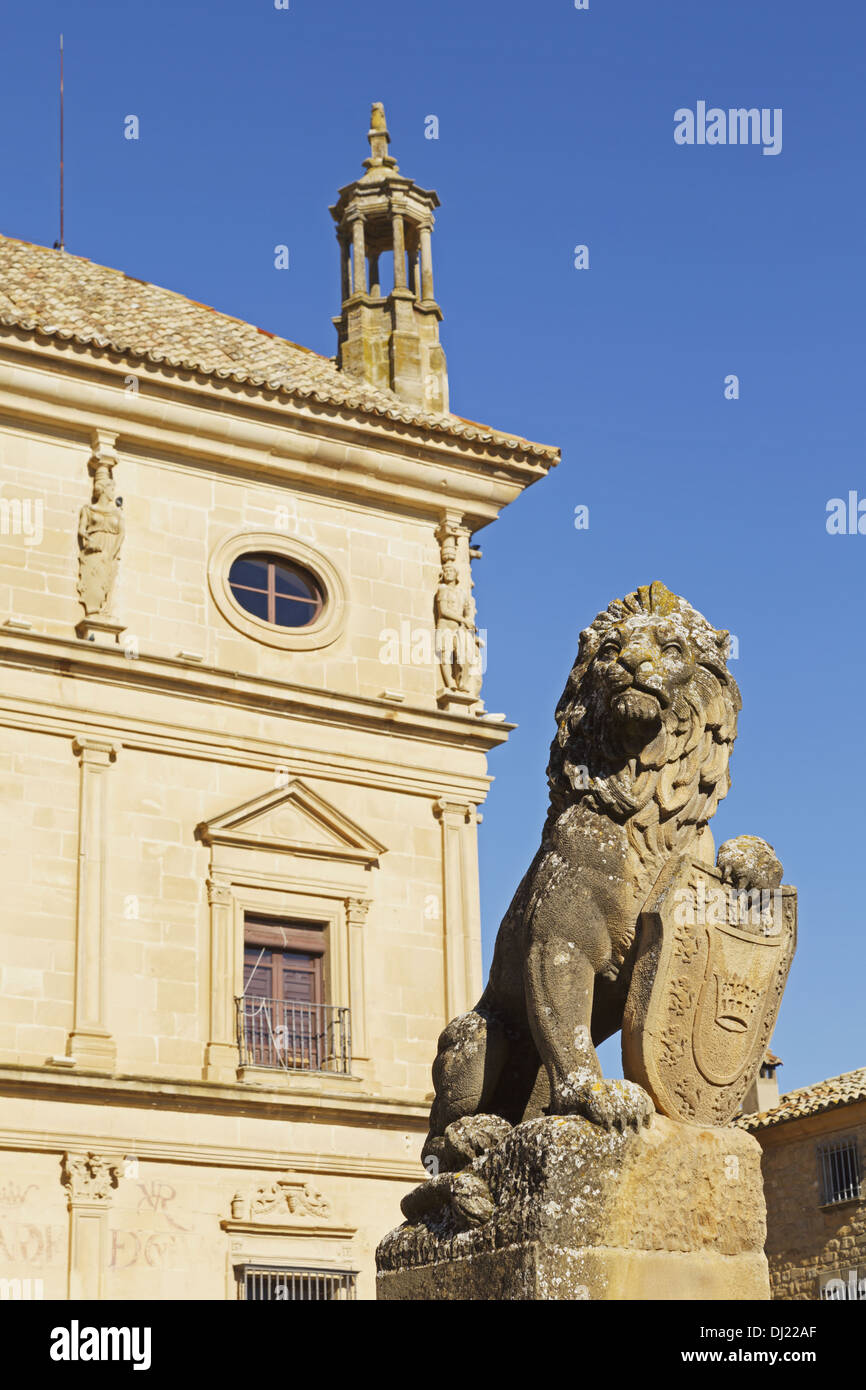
(708, 979)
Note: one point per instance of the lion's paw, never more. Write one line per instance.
(619, 1105)
(471, 1137)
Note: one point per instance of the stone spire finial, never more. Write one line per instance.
(379, 139)
(388, 327)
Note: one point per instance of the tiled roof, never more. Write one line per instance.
(811, 1100)
(66, 297)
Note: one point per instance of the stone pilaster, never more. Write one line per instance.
(471, 904)
(222, 1057)
(356, 916)
(461, 910)
(89, 1180)
(90, 1043)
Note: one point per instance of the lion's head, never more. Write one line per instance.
(647, 721)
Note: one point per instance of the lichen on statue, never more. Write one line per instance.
(638, 766)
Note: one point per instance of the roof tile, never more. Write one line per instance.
(810, 1100)
(63, 296)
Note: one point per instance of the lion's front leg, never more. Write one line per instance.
(560, 983)
(559, 989)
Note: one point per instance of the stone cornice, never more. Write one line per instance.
(273, 1159)
(153, 1093)
(171, 676)
(256, 754)
(277, 1228)
(205, 422)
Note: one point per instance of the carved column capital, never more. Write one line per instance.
(451, 525)
(356, 911)
(459, 812)
(95, 752)
(218, 892)
(103, 450)
(89, 1178)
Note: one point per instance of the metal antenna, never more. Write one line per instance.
(61, 244)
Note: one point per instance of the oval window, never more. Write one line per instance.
(276, 590)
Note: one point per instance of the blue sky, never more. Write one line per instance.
(555, 129)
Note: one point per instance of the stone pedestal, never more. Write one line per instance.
(460, 701)
(671, 1212)
(104, 631)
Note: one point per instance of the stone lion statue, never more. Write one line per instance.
(639, 763)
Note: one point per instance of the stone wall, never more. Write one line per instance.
(130, 853)
(175, 517)
(807, 1243)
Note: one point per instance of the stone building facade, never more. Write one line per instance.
(243, 749)
(814, 1151)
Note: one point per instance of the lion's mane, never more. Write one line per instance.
(668, 791)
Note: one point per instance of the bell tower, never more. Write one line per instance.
(388, 328)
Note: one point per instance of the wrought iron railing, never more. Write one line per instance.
(294, 1037)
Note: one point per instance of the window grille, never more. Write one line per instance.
(261, 1284)
(840, 1171)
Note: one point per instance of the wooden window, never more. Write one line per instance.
(286, 1020)
(276, 590)
(284, 960)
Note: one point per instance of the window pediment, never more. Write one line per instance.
(295, 820)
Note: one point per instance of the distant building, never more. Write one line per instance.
(814, 1143)
(242, 752)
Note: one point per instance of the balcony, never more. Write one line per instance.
(294, 1037)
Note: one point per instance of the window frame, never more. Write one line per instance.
(330, 622)
(316, 1034)
(276, 1270)
(271, 562)
(827, 1152)
(286, 938)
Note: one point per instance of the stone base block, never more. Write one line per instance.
(105, 631)
(536, 1272)
(670, 1212)
(460, 702)
(92, 1049)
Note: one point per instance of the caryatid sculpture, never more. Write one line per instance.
(457, 639)
(100, 537)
